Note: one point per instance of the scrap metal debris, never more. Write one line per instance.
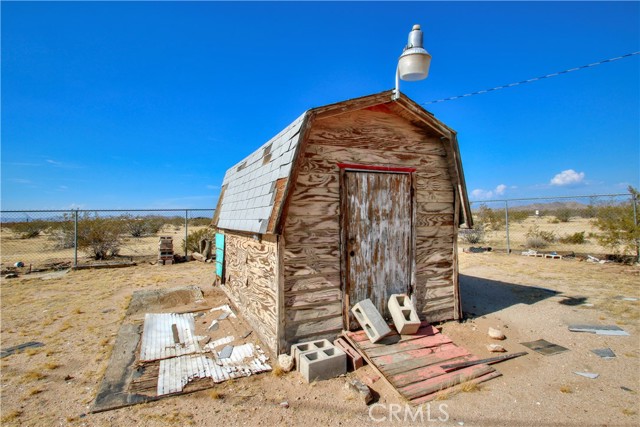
(158, 336)
(599, 329)
(589, 375)
(605, 353)
(544, 347)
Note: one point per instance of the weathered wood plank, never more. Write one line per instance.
(441, 382)
(306, 267)
(312, 180)
(433, 256)
(307, 314)
(281, 185)
(316, 282)
(303, 223)
(434, 231)
(374, 157)
(429, 244)
(431, 196)
(433, 184)
(299, 330)
(315, 194)
(441, 269)
(432, 207)
(406, 346)
(321, 297)
(477, 380)
(306, 208)
(402, 362)
(405, 378)
(300, 250)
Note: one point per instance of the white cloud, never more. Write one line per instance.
(20, 181)
(481, 194)
(568, 177)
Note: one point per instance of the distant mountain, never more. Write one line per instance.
(551, 206)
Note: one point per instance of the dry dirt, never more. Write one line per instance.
(77, 316)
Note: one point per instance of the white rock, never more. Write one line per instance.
(496, 334)
(496, 348)
(286, 362)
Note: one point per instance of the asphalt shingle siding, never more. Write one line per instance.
(250, 192)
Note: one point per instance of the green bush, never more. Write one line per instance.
(563, 214)
(100, 237)
(618, 230)
(573, 239)
(30, 229)
(538, 239)
(490, 219)
(193, 239)
(142, 226)
(518, 216)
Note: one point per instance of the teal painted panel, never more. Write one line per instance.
(219, 253)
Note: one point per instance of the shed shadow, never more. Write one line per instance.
(482, 296)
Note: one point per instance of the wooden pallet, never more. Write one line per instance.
(411, 364)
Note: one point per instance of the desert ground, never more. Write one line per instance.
(77, 315)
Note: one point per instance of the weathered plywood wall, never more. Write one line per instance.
(250, 272)
(376, 136)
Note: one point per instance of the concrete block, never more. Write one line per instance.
(323, 364)
(303, 347)
(405, 317)
(371, 321)
(354, 359)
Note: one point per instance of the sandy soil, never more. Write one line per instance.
(77, 316)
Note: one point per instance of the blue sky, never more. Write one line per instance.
(145, 105)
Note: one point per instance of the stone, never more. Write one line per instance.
(361, 389)
(286, 362)
(496, 348)
(496, 334)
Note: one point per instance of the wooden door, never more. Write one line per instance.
(376, 237)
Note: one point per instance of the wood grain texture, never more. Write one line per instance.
(251, 282)
(378, 221)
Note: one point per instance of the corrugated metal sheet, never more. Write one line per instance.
(157, 338)
(177, 372)
(250, 193)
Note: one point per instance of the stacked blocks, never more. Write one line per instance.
(371, 321)
(405, 317)
(323, 364)
(165, 250)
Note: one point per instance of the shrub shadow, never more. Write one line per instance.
(482, 296)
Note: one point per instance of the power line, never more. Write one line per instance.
(535, 79)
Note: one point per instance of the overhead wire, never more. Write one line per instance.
(535, 79)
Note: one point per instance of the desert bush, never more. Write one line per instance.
(563, 214)
(472, 236)
(538, 239)
(618, 230)
(518, 216)
(29, 229)
(99, 237)
(192, 243)
(142, 226)
(493, 220)
(200, 222)
(573, 239)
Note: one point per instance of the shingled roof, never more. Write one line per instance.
(249, 192)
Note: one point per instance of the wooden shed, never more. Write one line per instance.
(354, 200)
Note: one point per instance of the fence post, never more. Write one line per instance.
(506, 224)
(186, 231)
(634, 198)
(75, 238)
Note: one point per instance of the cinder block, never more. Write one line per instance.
(371, 321)
(303, 347)
(405, 317)
(323, 364)
(354, 360)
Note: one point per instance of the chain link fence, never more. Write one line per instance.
(596, 225)
(43, 240)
